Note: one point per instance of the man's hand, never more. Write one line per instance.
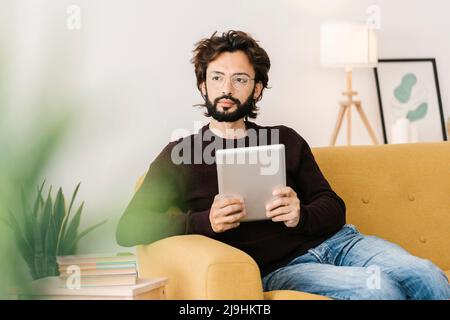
(226, 212)
(285, 207)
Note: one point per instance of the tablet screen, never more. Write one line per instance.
(252, 173)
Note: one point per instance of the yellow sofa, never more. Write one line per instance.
(398, 192)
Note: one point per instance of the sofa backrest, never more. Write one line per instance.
(397, 192)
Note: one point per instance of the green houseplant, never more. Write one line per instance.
(46, 230)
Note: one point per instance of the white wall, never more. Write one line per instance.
(130, 66)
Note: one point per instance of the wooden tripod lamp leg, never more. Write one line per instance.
(349, 94)
(363, 116)
(349, 126)
(338, 125)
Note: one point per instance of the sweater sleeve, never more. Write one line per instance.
(322, 211)
(199, 223)
(146, 218)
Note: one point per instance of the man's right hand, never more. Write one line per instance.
(226, 212)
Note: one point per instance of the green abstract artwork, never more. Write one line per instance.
(403, 92)
(418, 113)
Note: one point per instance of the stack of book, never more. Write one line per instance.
(95, 270)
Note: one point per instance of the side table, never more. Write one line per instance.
(49, 289)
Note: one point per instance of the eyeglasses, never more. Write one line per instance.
(239, 81)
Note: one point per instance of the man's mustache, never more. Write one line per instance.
(236, 101)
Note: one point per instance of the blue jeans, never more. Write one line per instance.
(350, 265)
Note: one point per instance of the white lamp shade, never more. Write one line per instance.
(348, 45)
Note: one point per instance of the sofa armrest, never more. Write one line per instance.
(201, 268)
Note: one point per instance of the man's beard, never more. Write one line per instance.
(241, 111)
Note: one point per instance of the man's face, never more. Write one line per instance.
(230, 88)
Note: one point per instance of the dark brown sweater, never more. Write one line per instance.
(192, 187)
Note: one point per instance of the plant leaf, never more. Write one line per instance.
(71, 233)
(6, 222)
(73, 197)
(50, 248)
(23, 198)
(27, 216)
(62, 229)
(14, 224)
(61, 234)
(38, 251)
(59, 210)
(38, 201)
(46, 215)
(87, 230)
(73, 245)
(23, 246)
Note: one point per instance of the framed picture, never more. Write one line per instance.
(410, 101)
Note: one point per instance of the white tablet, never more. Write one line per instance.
(252, 173)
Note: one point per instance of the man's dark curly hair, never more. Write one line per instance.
(208, 49)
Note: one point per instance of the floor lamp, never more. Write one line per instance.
(349, 46)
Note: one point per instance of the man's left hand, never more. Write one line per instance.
(285, 207)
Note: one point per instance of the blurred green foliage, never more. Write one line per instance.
(26, 148)
(46, 231)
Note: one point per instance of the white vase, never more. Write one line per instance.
(400, 131)
(414, 132)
